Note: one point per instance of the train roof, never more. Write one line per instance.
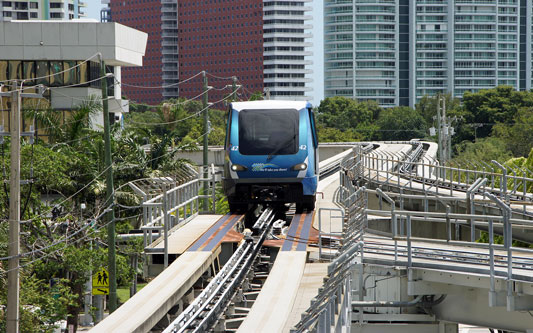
(270, 104)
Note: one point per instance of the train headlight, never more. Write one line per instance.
(299, 167)
(237, 167)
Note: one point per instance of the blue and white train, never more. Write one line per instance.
(271, 154)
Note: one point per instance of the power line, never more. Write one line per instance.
(162, 86)
(57, 250)
(65, 200)
(183, 119)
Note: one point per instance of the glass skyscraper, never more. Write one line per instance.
(397, 51)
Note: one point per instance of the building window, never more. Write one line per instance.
(34, 5)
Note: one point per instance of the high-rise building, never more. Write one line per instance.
(41, 10)
(169, 45)
(223, 38)
(397, 51)
(263, 43)
(144, 15)
(287, 48)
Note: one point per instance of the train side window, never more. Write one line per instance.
(313, 127)
(228, 127)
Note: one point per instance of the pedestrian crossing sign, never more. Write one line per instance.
(101, 282)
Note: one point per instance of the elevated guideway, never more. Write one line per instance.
(360, 263)
(395, 274)
(424, 185)
(294, 280)
(197, 245)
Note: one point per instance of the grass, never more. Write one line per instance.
(123, 294)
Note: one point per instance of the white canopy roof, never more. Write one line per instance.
(72, 40)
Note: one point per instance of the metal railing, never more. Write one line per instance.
(388, 169)
(331, 308)
(178, 204)
(510, 262)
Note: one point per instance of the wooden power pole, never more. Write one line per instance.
(13, 277)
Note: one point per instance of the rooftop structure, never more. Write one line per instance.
(63, 56)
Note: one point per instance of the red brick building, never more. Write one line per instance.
(144, 15)
(224, 38)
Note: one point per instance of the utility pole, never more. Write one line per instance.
(13, 277)
(444, 132)
(234, 89)
(439, 131)
(109, 194)
(206, 136)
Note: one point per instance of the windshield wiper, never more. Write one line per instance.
(285, 144)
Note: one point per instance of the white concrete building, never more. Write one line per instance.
(287, 48)
(54, 54)
(41, 10)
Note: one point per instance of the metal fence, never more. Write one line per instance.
(177, 204)
(393, 169)
(331, 308)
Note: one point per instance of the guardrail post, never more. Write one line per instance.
(448, 224)
(409, 252)
(322, 318)
(503, 183)
(165, 222)
(491, 259)
(508, 239)
(470, 195)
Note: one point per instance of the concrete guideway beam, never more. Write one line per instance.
(469, 300)
(148, 306)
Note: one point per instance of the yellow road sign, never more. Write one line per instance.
(101, 291)
(101, 282)
(101, 279)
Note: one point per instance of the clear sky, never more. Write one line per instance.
(93, 9)
(94, 6)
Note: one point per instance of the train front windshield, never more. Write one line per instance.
(268, 132)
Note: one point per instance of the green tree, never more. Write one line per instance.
(344, 113)
(401, 123)
(517, 136)
(483, 150)
(427, 107)
(488, 107)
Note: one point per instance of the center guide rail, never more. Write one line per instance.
(204, 312)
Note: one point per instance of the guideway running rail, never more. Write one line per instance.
(204, 312)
